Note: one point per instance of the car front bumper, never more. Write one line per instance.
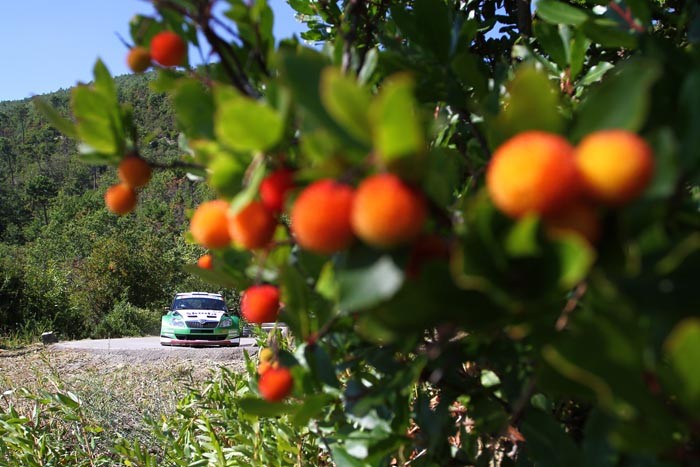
(194, 342)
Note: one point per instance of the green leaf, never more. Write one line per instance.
(523, 238)
(682, 349)
(251, 190)
(245, 124)
(194, 109)
(342, 458)
(312, 406)
(547, 443)
(347, 102)
(608, 34)
(445, 169)
(576, 257)
(577, 53)
(433, 26)
(548, 36)
(263, 408)
(61, 123)
(302, 72)
(621, 101)
(532, 104)
(596, 73)
(395, 118)
(471, 72)
(216, 277)
(557, 12)
(95, 121)
(364, 287)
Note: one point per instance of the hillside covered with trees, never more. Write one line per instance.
(68, 264)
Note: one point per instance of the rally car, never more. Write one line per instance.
(200, 318)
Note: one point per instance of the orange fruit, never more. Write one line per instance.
(266, 355)
(275, 384)
(616, 166)
(134, 171)
(205, 261)
(253, 226)
(209, 225)
(386, 212)
(138, 59)
(120, 199)
(260, 303)
(168, 49)
(533, 172)
(321, 217)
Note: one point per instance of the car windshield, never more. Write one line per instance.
(199, 304)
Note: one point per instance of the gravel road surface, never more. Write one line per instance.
(149, 348)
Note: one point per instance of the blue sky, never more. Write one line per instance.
(52, 44)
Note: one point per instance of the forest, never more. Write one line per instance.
(66, 263)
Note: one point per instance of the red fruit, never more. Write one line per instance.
(205, 261)
(260, 304)
(168, 49)
(321, 217)
(120, 199)
(275, 384)
(387, 212)
(274, 189)
(253, 226)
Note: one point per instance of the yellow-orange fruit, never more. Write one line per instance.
(533, 172)
(205, 261)
(386, 212)
(275, 384)
(138, 59)
(209, 225)
(264, 366)
(321, 217)
(168, 49)
(120, 199)
(266, 355)
(579, 218)
(134, 171)
(260, 303)
(616, 166)
(253, 226)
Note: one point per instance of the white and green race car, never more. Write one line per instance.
(200, 318)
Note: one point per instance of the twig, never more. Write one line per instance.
(570, 306)
(626, 15)
(480, 138)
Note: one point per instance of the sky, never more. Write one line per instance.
(52, 44)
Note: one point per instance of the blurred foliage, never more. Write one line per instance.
(511, 348)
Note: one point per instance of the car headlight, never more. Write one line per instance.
(177, 321)
(226, 323)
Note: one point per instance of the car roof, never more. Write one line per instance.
(199, 295)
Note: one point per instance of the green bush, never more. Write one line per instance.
(126, 319)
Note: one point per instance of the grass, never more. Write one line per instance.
(117, 391)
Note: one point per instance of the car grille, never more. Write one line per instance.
(195, 337)
(200, 325)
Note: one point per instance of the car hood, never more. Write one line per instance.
(201, 314)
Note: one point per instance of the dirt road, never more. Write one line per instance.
(149, 348)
